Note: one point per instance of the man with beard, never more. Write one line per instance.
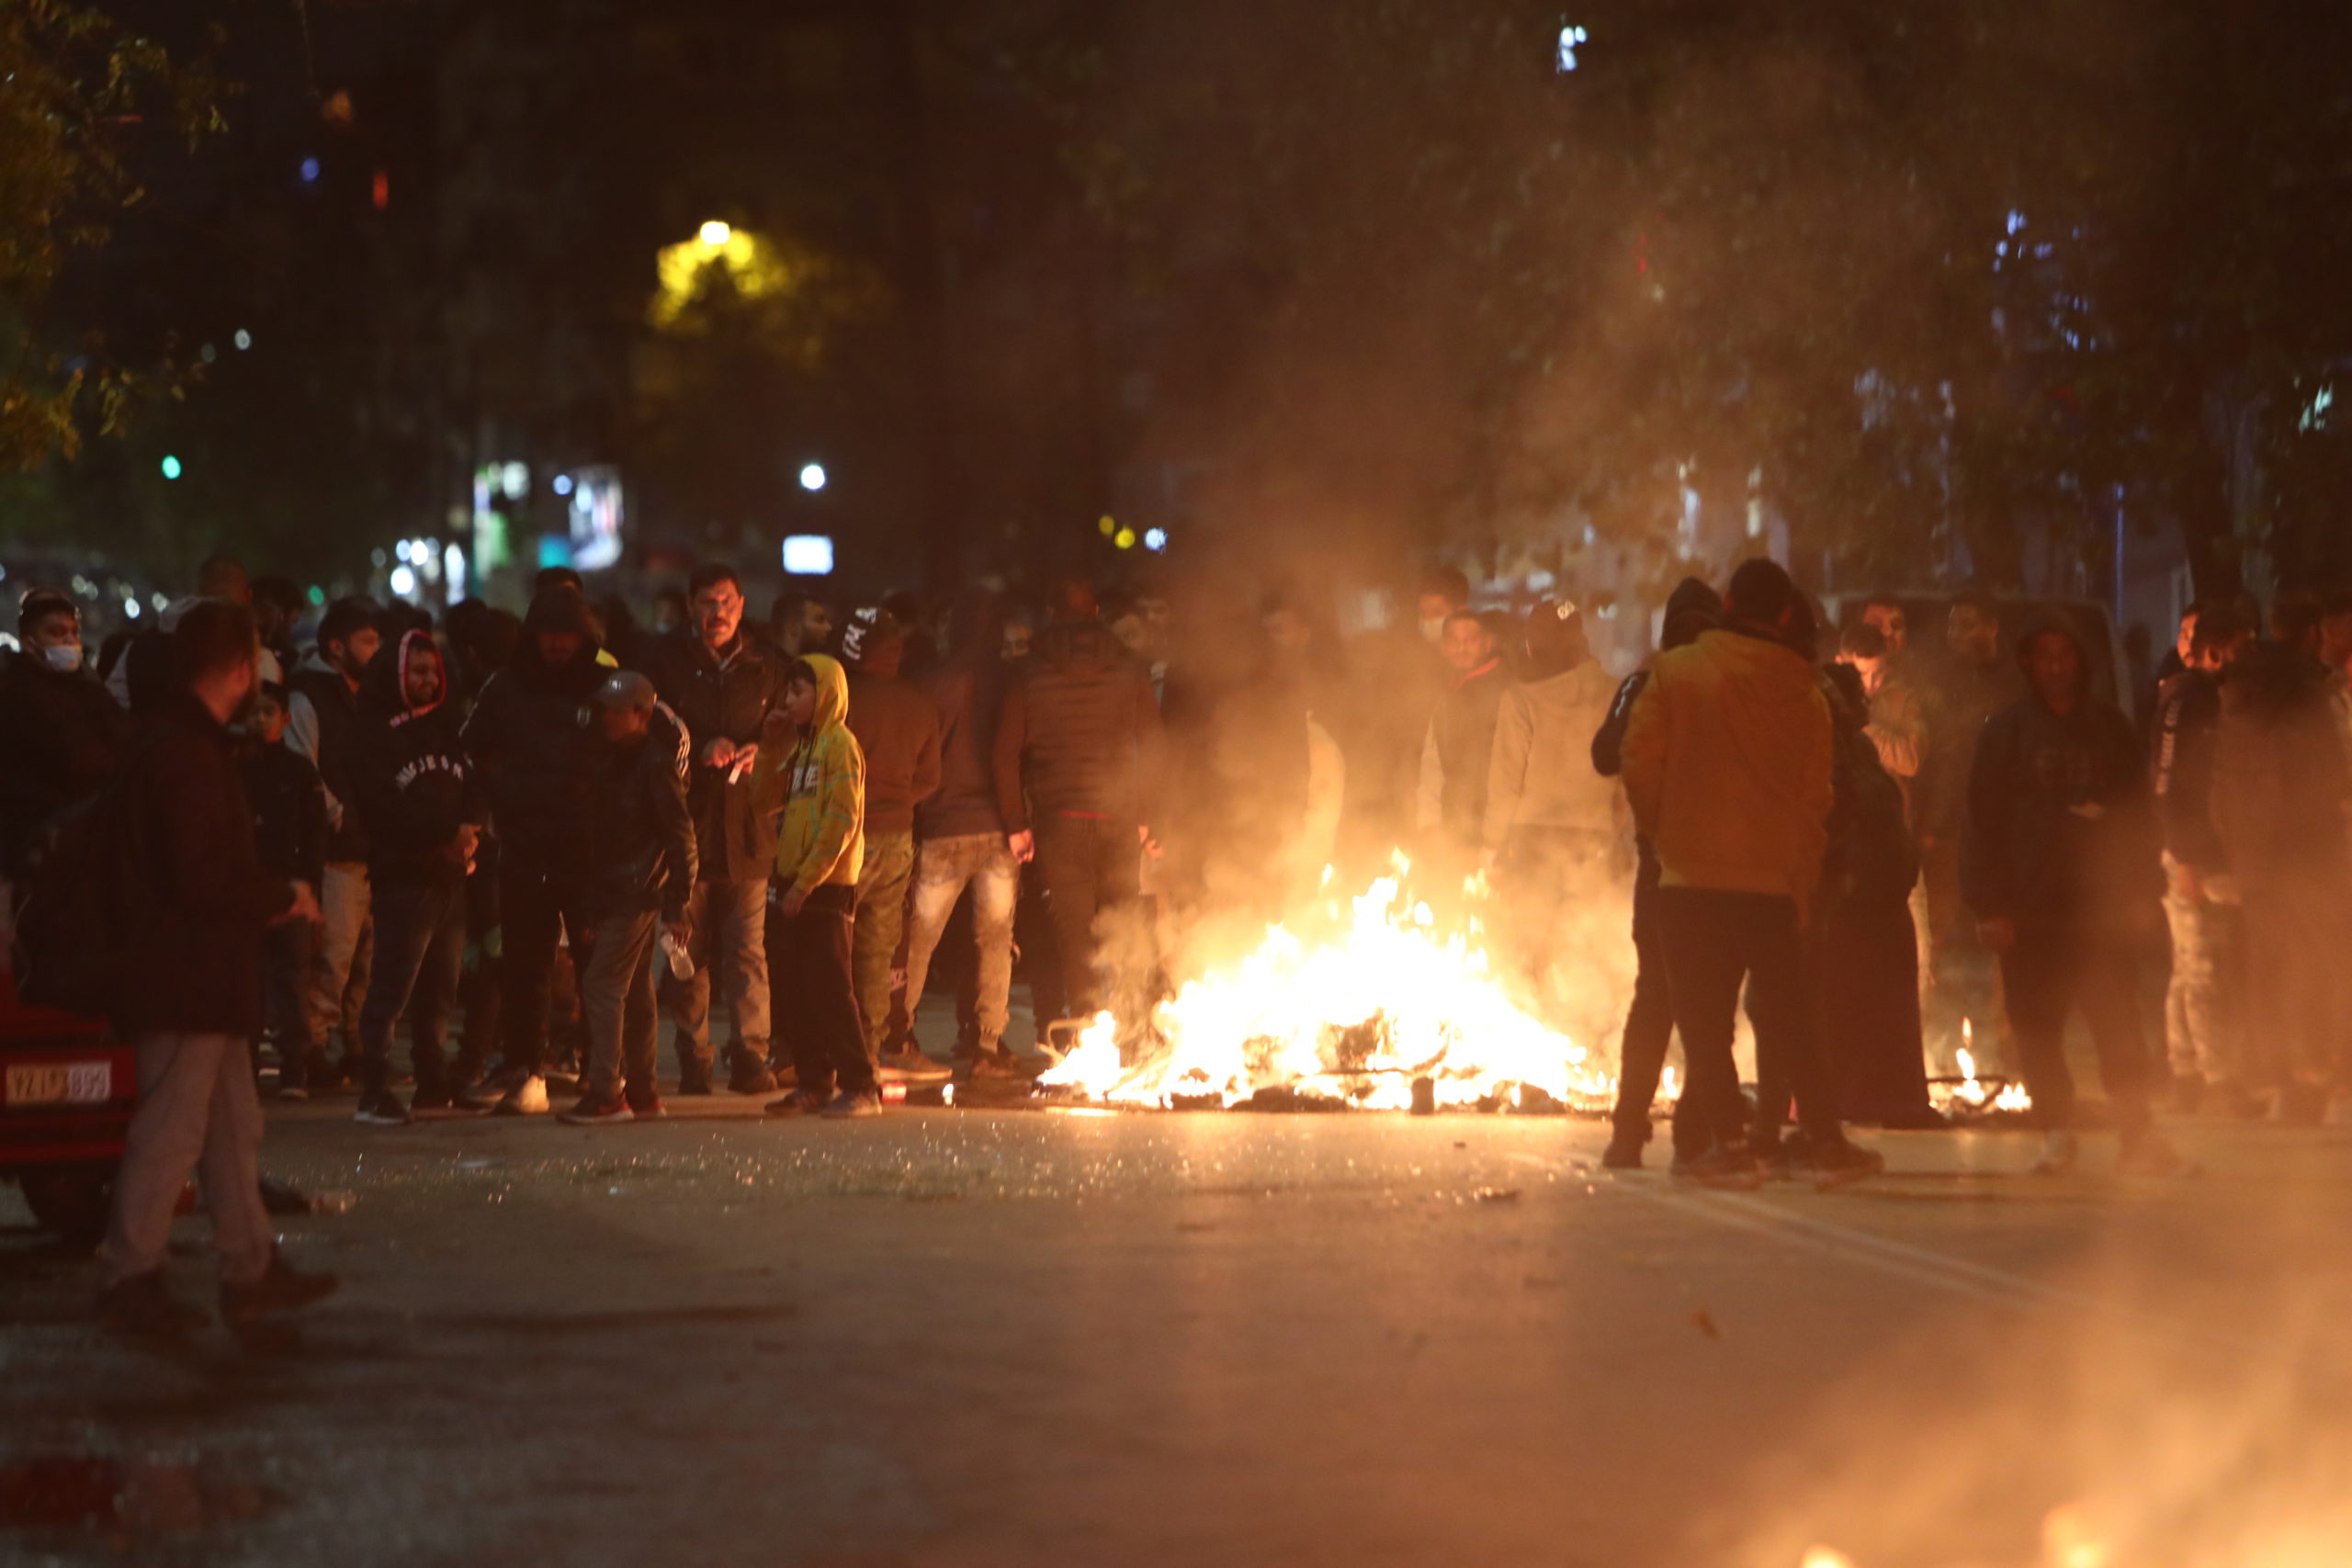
(529, 738)
(424, 811)
(324, 724)
(721, 685)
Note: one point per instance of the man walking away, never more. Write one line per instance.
(1457, 754)
(322, 724)
(535, 755)
(897, 727)
(1076, 756)
(1727, 759)
(722, 684)
(1691, 608)
(959, 831)
(2203, 1022)
(2061, 862)
(290, 837)
(2281, 798)
(642, 884)
(810, 767)
(424, 809)
(191, 993)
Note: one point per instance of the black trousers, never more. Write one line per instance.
(815, 1014)
(1714, 941)
(1091, 866)
(420, 949)
(1649, 1030)
(1865, 967)
(537, 908)
(2050, 974)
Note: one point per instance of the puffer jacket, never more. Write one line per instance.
(417, 786)
(530, 736)
(1727, 759)
(642, 833)
(1080, 733)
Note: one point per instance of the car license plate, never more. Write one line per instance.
(61, 1083)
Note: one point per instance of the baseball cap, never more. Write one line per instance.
(626, 689)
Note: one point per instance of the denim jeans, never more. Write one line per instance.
(943, 868)
(617, 995)
(881, 922)
(340, 961)
(729, 921)
(419, 952)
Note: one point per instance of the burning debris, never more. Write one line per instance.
(1372, 1006)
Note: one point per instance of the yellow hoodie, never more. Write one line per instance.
(1728, 757)
(821, 783)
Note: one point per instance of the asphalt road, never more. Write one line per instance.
(959, 1337)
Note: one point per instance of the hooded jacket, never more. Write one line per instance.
(529, 737)
(324, 724)
(820, 787)
(641, 831)
(719, 697)
(1728, 756)
(1080, 732)
(2280, 783)
(2060, 830)
(1540, 777)
(417, 786)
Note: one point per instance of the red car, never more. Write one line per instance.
(67, 1090)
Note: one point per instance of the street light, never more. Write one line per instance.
(813, 477)
(171, 468)
(716, 234)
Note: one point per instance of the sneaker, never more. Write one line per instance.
(1624, 1151)
(749, 1074)
(1834, 1165)
(995, 1062)
(527, 1098)
(910, 1065)
(1776, 1160)
(142, 1308)
(1725, 1169)
(647, 1107)
(281, 1288)
(295, 1091)
(595, 1110)
(799, 1102)
(2146, 1153)
(693, 1078)
(851, 1103)
(2060, 1150)
(382, 1108)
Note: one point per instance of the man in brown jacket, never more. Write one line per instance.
(1727, 765)
(191, 962)
(897, 726)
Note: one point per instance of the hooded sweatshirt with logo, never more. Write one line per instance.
(820, 785)
(417, 786)
(1728, 757)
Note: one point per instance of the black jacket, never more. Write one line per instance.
(61, 738)
(529, 734)
(417, 786)
(340, 743)
(2188, 723)
(641, 833)
(1872, 861)
(289, 810)
(196, 897)
(2060, 829)
(1079, 734)
(718, 698)
(2280, 782)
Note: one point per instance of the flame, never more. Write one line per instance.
(1353, 1011)
(1972, 1093)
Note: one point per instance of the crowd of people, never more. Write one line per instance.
(550, 830)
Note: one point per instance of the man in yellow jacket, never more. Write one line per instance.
(1727, 759)
(810, 766)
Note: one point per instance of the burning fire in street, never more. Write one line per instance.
(1353, 1006)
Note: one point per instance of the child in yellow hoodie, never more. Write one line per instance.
(810, 766)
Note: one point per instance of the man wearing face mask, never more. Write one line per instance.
(60, 735)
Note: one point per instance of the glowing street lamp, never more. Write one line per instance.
(813, 477)
(716, 234)
(171, 468)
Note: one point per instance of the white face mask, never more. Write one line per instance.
(63, 657)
